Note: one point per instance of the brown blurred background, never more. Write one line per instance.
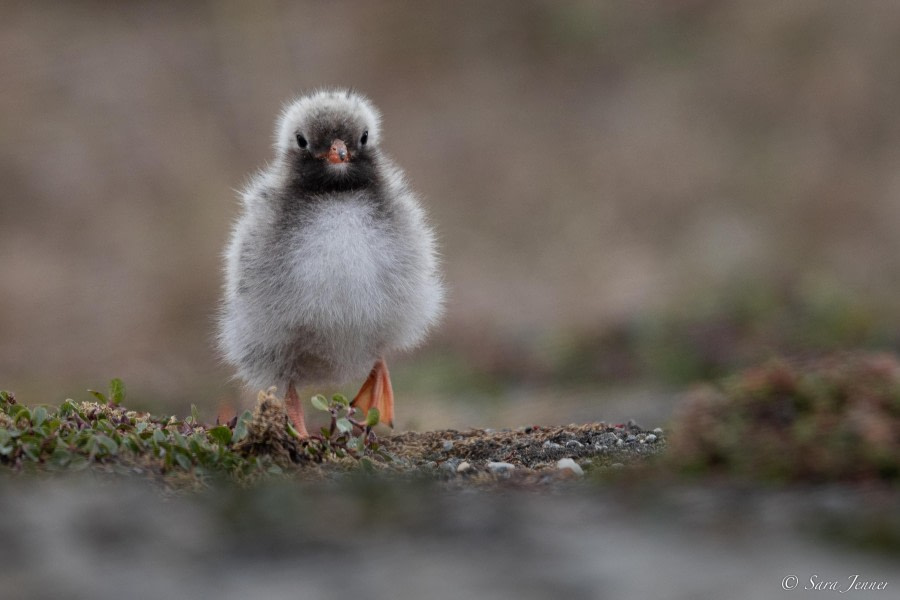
(630, 196)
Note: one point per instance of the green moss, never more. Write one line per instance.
(104, 434)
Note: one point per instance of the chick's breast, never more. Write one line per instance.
(363, 271)
(343, 282)
(341, 267)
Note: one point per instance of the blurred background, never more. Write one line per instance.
(630, 196)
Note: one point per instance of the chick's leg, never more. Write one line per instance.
(378, 392)
(295, 410)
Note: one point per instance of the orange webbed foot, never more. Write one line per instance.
(377, 392)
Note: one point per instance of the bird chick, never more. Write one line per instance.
(331, 264)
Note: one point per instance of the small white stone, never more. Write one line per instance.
(447, 446)
(620, 442)
(650, 438)
(500, 467)
(658, 431)
(463, 467)
(568, 463)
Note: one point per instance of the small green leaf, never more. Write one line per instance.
(108, 444)
(140, 427)
(367, 464)
(344, 425)
(60, 457)
(372, 417)
(183, 460)
(4, 396)
(116, 391)
(195, 414)
(100, 396)
(293, 432)
(159, 436)
(134, 442)
(179, 440)
(22, 414)
(31, 450)
(39, 416)
(340, 399)
(220, 434)
(319, 402)
(240, 428)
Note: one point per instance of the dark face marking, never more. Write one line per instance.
(312, 173)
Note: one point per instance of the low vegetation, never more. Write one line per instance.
(103, 433)
(834, 419)
(830, 419)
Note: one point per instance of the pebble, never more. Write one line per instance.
(500, 467)
(607, 438)
(574, 444)
(658, 431)
(630, 439)
(650, 438)
(571, 465)
(551, 445)
(620, 442)
(463, 467)
(447, 446)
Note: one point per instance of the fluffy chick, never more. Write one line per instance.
(332, 263)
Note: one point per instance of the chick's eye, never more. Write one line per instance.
(301, 141)
(364, 138)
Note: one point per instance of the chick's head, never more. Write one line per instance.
(329, 140)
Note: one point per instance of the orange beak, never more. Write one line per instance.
(338, 152)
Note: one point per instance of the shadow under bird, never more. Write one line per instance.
(332, 263)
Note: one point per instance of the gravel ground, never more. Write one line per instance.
(526, 454)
